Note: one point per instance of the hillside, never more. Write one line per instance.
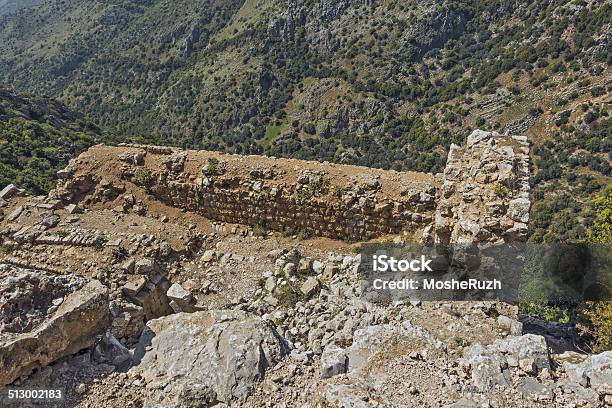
(10, 6)
(38, 137)
(306, 203)
(387, 84)
(155, 276)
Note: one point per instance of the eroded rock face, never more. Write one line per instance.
(27, 297)
(75, 324)
(485, 191)
(207, 357)
(491, 364)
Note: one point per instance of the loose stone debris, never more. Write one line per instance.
(154, 277)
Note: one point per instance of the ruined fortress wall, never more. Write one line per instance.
(319, 199)
(272, 208)
(485, 190)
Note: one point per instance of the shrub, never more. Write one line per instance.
(338, 191)
(310, 128)
(259, 231)
(599, 326)
(598, 315)
(211, 167)
(144, 177)
(500, 190)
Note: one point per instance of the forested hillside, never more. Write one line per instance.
(37, 138)
(10, 6)
(388, 83)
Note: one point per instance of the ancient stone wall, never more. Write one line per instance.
(481, 194)
(271, 208)
(485, 191)
(292, 196)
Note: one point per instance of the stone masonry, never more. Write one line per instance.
(483, 193)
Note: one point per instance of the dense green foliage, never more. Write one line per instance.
(602, 230)
(37, 138)
(388, 84)
(540, 294)
(571, 169)
(599, 314)
(11, 6)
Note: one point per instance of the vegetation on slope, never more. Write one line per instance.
(387, 84)
(11, 6)
(38, 137)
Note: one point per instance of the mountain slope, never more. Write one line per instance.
(327, 79)
(37, 138)
(10, 6)
(387, 84)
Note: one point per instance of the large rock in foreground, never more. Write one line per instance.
(73, 326)
(491, 364)
(202, 358)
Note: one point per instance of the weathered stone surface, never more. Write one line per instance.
(146, 266)
(518, 209)
(595, 371)
(509, 325)
(178, 293)
(528, 346)
(318, 267)
(473, 401)
(333, 361)
(489, 368)
(309, 287)
(181, 300)
(74, 209)
(8, 191)
(371, 341)
(218, 355)
(134, 285)
(350, 396)
(81, 316)
(208, 255)
(485, 193)
(490, 365)
(536, 391)
(15, 214)
(109, 350)
(128, 320)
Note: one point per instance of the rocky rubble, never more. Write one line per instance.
(73, 326)
(154, 301)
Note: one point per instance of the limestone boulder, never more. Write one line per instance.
(489, 368)
(491, 365)
(333, 361)
(595, 371)
(73, 326)
(206, 357)
(8, 191)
